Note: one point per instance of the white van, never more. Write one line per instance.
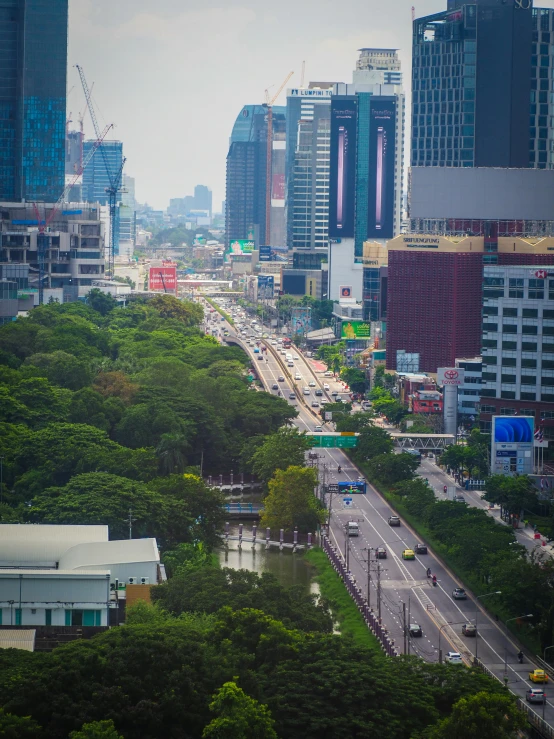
(352, 528)
(306, 391)
(289, 357)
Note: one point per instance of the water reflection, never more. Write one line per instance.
(288, 568)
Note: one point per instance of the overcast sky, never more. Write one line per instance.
(173, 74)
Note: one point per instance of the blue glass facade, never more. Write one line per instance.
(33, 70)
(96, 179)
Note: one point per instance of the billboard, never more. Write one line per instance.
(355, 330)
(266, 287)
(163, 279)
(481, 193)
(301, 320)
(265, 253)
(278, 187)
(352, 487)
(382, 154)
(512, 445)
(294, 284)
(450, 376)
(345, 291)
(242, 246)
(342, 179)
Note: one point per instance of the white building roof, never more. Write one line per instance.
(18, 639)
(125, 551)
(42, 545)
(52, 573)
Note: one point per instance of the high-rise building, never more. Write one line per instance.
(203, 198)
(366, 165)
(245, 205)
(307, 171)
(97, 177)
(33, 74)
(73, 153)
(481, 76)
(518, 345)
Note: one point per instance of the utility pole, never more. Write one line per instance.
(379, 590)
(405, 629)
(409, 619)
(346, 550)
(368, 582)
(130, 522)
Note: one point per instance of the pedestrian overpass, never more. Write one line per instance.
(423, 442)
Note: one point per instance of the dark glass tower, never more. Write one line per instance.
(471, 83)
(33, 70)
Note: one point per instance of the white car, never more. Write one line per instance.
(326, 386)
(311, 383)
(295, 356)
(318, 430)
(298, 376)
(453, 658)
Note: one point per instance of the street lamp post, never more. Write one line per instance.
(517, 618)
(449, 623)
(545, 651)
(479, 597)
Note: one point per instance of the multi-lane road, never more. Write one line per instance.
(405, 593)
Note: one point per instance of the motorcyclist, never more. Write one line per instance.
(434, 579)
(428, 572)
(520, 657)
(339, 468)
(445, 488)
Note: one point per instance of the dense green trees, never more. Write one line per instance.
(238, 716)
(291, 502)
(266, 455)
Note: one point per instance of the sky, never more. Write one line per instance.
(172, 75)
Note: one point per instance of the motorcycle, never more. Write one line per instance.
(434, 581)
(520, 658)
(339, 468)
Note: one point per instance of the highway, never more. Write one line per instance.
(405, 591)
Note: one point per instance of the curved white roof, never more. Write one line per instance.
(42, 545)
(125, 551)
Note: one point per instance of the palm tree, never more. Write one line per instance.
(172, 453)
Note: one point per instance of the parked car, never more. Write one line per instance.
(469, 630)
(535, 695)
(453, 658)
(415, 630)
(394, 521)
(420, 548)
(381, 553)
(407, 553)
(538, 676)
(459, 594)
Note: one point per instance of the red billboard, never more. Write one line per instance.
(163, 279)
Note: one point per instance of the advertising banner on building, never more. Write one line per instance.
(512, 445)
(163, 279)
(382, 151)
(355, 330)
(278, 187)
(242, 246)
(301, 320)
(266, 287)
(265, 254)
(342, 182)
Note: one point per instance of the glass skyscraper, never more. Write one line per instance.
(33, 70)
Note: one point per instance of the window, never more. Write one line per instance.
(529, 363)
(493, 287)
(490, 360)
(547, 381)
(492, 344)
(491, 310)
(551, 289)
(546, 414)
(547, 397)
(509, 345)
(536, 289)
(488, 409)
(510, 328)
(549, 348)
(527, 396)
(48, 617)
(509, 361)
(548, 330)
(510, 312)
(527, 411)
(516, 288)
(510, 379)
(530, 313)
(83, 618)
(548, 364)
(528, 380)
(548, 314)
(488, 393)
(531, 330)
(489, 376)
(528, 346)
(18, 616)
(490, 327)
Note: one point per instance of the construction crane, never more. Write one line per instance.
(43, 222)
(269, 156)
(114, 178)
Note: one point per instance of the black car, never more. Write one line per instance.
(281, 378)
(319, 393)
(420, 549)
(275, 386)
(394, 521)
(292, 396)
(415, 630)
(381, 553)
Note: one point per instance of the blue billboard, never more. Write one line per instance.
(266, 287)
(512, 448)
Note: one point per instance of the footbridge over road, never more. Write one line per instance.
(423, 442)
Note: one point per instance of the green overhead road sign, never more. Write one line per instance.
(335, 441)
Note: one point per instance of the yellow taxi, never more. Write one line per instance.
(538, 676)
(408, 554)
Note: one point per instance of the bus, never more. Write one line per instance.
(286, 342)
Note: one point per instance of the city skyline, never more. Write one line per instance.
(141, 41)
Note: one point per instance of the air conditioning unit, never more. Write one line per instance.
(144, 580)
(132, 580)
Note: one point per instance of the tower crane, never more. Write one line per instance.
(113, 178)
(269, 155)
(44, 223)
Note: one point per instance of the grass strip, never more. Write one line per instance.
(221, 312)
(343, 608)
